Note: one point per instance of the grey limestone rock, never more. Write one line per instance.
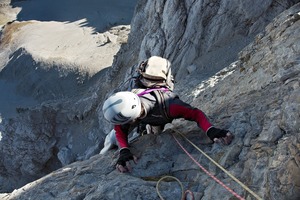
(246, 79)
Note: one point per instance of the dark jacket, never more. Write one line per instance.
(161, 108)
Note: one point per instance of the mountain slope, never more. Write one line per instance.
(255, 95)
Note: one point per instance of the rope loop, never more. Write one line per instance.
(183, 194)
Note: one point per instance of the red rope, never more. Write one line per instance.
(208, 173)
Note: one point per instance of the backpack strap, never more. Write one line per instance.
(163, 104)
(147, 91)
(158, 93)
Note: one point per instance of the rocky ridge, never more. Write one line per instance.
(255, 95)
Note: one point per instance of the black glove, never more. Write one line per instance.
(125, 155)
(221, 135)
(213, 133)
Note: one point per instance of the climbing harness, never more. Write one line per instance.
(212, 176)
(183, 194)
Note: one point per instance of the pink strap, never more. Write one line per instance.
(151, 90)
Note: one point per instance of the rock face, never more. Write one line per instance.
(237, 61)
(48, 107)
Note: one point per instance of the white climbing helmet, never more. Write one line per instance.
(122, 107)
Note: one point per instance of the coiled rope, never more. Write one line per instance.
(212, 176)
(183, 194)
(170, 177)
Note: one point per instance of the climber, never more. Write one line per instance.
(154, 72)
(157, 107)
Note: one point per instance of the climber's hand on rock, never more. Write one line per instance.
(220, 135)
(123, 163)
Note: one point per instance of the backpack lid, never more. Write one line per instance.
(156, 68)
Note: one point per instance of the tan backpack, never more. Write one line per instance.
(154, 73)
